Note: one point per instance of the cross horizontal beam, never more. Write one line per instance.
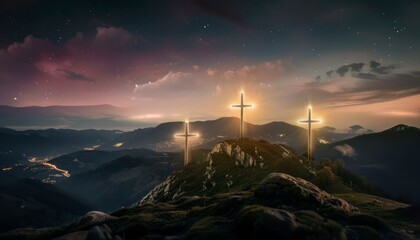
(184, 135)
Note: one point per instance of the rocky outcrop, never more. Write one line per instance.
(283, 189)
(235, 153)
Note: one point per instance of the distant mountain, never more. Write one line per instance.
(122, 181)
(161, 137)
(52, 142)
(74, 117)
(388, 158)
(83, 161)
(55, 142)
(327, 134)
(31, 203)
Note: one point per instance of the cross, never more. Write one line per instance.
(242, 106)
(186, 135)
(309, 121)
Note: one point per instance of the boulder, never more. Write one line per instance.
(258, 222)
(90, 220)
(282, 189)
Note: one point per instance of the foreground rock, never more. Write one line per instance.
(282, 189)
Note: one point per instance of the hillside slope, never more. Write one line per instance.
(31, 203)
(389, 159)
(121, 181)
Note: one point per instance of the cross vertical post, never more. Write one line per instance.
(186, 135)
(309, 121)
(242, 106)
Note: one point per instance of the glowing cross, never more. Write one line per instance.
(242, 106)
(309, 121)
(186, 135)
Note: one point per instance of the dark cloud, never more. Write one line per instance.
(365, 75)
(384, 69)
(382, 88)
(71, 75)
(378, 68)
(357, 70)
(356, 67)
(374, 64)
(329, 73)
(342, 70)
(383, 85)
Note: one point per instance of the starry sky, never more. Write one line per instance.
(355, 62)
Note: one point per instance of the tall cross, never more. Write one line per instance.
(309, 121)
(242, 106)
(186, 135)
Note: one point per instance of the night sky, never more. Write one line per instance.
(355, 62)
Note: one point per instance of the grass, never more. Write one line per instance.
(394, 213)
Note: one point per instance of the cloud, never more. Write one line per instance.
(329, 73)
(405, 114)
(365, 75)
(354, 67)
(357, 68)
(173, 83)
(71, 75)
(373, 85)
(218, 90)
(109, 59)
(266, 71)
(346, 150)
(377, 68)
(374, 64)
(211, 71)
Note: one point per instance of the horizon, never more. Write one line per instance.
(156, 124)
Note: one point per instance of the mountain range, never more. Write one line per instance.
(49, 143)
(71, 117)
(389, 159)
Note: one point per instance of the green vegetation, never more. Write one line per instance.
(333, 177)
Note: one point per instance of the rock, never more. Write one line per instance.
(258, 222)
(89, 220)
(235, 153)
(280, 188)
(362, 232)
(368, 220)
(100, 233)
(81, 235)
(211, 227)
